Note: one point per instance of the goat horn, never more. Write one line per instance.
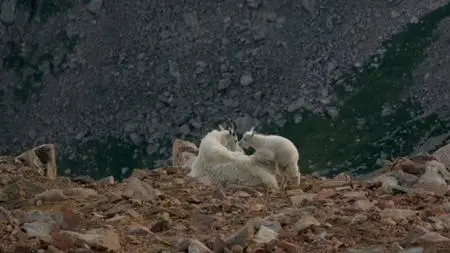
(234, 125)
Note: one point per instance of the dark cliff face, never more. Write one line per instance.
(136, 74)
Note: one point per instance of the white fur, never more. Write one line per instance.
(217, 160)
(276, 148)
(243, 172)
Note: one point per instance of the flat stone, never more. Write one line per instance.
(51, 195)
(433, 237)
(98, 238)
(196, 246)
(363, 204)
(431, 180)
(305, 222)
(80, 192)
(246, 79)
(265, 235)
(443, 154)
(38, 229)
(106, 181)
(242, 236)
(273, 225)
(325, 194)
(355, 195)
(138, 230)
(397, 214)
(136, 189)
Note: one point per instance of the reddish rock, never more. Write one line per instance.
(355, 195)
(289, 247)
(363, 204)
(325, 194)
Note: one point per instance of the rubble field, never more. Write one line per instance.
(403, 208)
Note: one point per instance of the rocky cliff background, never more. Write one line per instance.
(138, 73)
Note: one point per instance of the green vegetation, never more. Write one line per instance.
(105, 158)
(345, 143)
(29, 73)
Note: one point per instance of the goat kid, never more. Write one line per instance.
(276, 148)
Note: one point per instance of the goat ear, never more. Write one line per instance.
(221, 128)
(234, 126)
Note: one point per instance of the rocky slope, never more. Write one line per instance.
(147, 71)
(405, 208)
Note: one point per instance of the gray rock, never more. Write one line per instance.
(390, 184)
(8, 11)
(305, 222)
(223, 84)
(308, 5)
(397, 214)
(246, 79)
(95, 6)
(39, 229)
(258, 95)
(298, 118)
(333, 112)
(130, 127)
(259, 34)
(443, 154)
(185, 129)
(139, 231)
(37, 216)
(267, 222)
(51, 195)
(265, 235)
(136, 189)
(106, 181)
(404, 178)
(201, 66)
(98, 238)
(271, 16)
(136, 139)
(296, 104)
(431, 180)
(81, 135)
(80, 192)
(254, 3)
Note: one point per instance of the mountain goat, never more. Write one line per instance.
(223, 160)
(277, 148)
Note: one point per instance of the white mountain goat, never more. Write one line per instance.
(246, 170)
(217, 160)
(276, 148)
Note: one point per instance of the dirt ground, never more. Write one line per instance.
(164, 211)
